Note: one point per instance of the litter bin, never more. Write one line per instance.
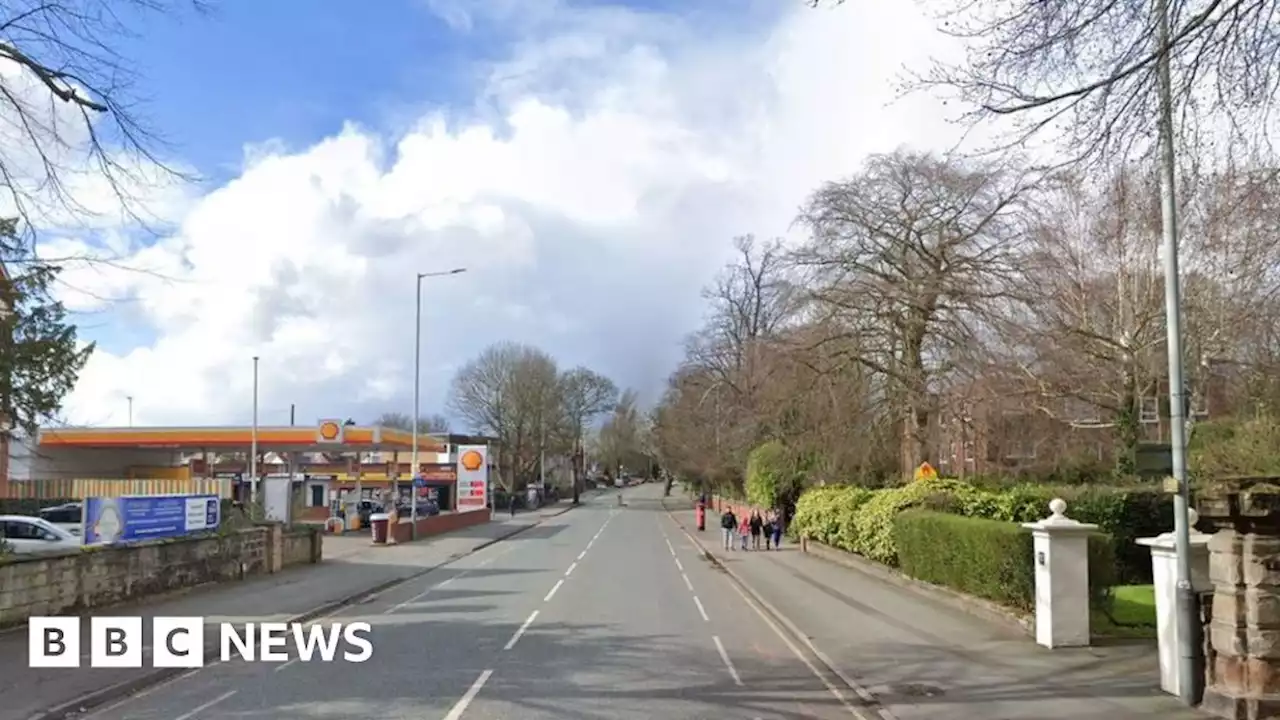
(380, 522)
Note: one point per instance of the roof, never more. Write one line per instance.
(269, 439)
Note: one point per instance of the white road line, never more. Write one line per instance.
(686, 582)
(465, 701)
(281, 667)
(786, 640)
(701, 609)
(671, 547)
(520, 633)
(679, 566)
(727, 662)
(569, 572)
(201, 708)
(582, 554)
(445, 582)
(554, 588)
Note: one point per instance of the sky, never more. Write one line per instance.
(587, 162)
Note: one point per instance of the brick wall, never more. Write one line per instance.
(436, 524)
(100, 576)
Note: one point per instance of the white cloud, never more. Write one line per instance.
(623, 153)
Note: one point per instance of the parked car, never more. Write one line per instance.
(68, 516)
(28, 535)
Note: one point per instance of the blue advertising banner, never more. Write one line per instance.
(147, 517)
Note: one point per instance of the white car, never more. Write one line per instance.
(28, 535)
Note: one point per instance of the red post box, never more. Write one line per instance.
(701, 514)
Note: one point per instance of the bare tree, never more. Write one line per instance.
(584, 394)
(908, 259)
(68, 114)
(434, 423)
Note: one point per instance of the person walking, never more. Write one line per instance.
(769, 520)
(744, 530)
(728, 524)
(777, 531)
(757, 527)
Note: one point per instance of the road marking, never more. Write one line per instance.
(447, 581)
(554, 588)
(835, 691)
(679, 566)
(670, 547)
(569, 572)
(701, 609)
(727, 662)
(519, 633)
(287, 664)
(201, 708)
(582, 554)
(686, 582)
(465, 701)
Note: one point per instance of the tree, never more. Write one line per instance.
(41, 356)
(72, 114)
(427, 424)
(908, 259)
(623, 440)
(1089, 69)
(584, 394)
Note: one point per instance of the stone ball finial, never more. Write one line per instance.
(1058, 507)
(1193, 517)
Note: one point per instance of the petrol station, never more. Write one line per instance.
(332, 463)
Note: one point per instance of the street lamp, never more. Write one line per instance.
(253, 438)
(130, 399)
(417, 387)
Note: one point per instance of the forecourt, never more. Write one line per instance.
(603, 612)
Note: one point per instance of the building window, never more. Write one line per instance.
(317, 496)
(1149, 413)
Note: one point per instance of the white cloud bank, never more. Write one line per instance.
(620, 159)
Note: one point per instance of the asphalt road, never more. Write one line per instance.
(603, 612)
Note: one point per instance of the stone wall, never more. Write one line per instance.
(100, 576)
(436, 524)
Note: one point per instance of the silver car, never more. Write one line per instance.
(26, 535)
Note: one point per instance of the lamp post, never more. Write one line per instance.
(253, 439)
(130, 399)
(417, 388)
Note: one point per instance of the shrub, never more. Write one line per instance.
(874, 520)
(986, 558)
(769, 474)
(827, 514)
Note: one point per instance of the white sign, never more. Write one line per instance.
(473, 477)
(179, 642)
(197, 515)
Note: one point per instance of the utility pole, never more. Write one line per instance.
(1191, 665)
(542, 454)
(253, 439)
(292, 416)
(130, 399)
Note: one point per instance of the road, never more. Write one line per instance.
(604, 612)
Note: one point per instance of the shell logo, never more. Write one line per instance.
(471, 460)
(330, 430)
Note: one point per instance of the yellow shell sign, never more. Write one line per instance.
(471, 460)
(926, 472)
(330, 431)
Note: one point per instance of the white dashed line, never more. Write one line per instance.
(678, 565)
(727, 662)
(554, 588)
(582, 554)
(278, 669)
(465, 700)
(569, 572)
(701, 609)
(520, 633)
(201, 708)
(686, 582)
(671, 547)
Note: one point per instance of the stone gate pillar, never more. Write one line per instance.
(1242, 673)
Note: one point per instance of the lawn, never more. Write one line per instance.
(1133, 613)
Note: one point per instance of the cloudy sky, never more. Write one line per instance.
(588, 164)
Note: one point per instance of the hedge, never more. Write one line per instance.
(861, 521)
(990, 559)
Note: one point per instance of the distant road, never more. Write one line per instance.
(604, 612)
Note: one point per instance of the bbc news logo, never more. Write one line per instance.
(179, 642)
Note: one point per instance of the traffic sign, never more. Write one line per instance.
(419, 482)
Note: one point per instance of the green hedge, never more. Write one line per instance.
(861, 521)
(990, 559)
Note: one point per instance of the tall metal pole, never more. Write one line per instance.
(130, 399)
(417, 385)
(253, 439)
(1190, 632)
(292, 415)
(542, 455)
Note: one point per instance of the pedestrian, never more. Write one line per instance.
(512, 497)
(768, 529)
(777, 531)
(757, 527)
(728, 523)
(744, 530)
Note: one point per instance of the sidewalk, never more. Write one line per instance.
(352, 567)
(921, 658)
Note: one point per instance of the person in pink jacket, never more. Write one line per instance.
(744, 529)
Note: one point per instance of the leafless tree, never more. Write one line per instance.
(68, 112)
(433, 423)
(907, 260)
(584, 394)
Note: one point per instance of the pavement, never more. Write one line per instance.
(606, 612)
(352, 567)
(915, 657)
